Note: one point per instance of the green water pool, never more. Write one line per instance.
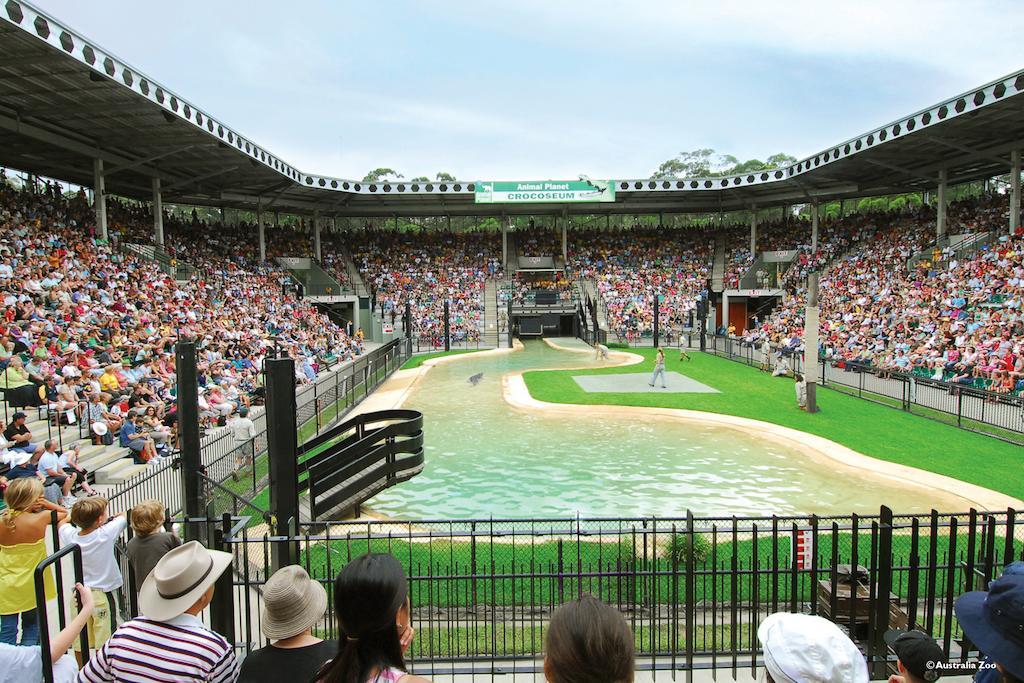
(485, 458)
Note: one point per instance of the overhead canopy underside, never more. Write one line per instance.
(64, 101)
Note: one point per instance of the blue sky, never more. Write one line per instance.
(552, 89)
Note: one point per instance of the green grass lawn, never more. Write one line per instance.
(867, 428)
(417, 361)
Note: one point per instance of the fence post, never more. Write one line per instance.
(222, 607)
(316, 405)
(447, 328)
(281, 452)
(408, 328)
(959, 407)
(689, 597)
(188, 431)
(883, 580)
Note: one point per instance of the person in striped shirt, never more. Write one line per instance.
(169, 643)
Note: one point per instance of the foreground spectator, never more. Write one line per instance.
(23, 528)
(588, 642)
(918, 656)
(292, 604)
(800, 648)
(994, 620)
(25, 664)
(371, 599)
(101, 572)
(170, 643)
(149, 543)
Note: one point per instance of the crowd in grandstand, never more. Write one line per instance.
(89, 328)
(426, 269)
(945, 317)
(631, 266)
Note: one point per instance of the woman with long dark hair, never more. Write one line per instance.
(371, 599)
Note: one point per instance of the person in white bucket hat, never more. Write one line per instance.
(801, 648)
(169, 642)
(293, 604)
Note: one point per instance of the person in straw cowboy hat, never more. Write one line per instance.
(292, 604)
(169, 642)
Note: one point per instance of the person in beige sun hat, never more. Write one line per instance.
(293, 604)
(170, 642)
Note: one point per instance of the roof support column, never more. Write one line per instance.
(262, 231)
(158, 214)
(1014, 191)
(223, 216)
(99, 198)
(814, 226)
(504, 242)
(753, 229)
(565, 236)
(316, 233)
(725, 311)
(940, 210)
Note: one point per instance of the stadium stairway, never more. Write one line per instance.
(353, 273)
(589, 289)
(491, 336)
(718, 267)
(106, 465)
(512, 257)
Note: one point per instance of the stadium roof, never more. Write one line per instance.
(65, 101)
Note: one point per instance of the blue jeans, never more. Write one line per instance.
(29, 628)
(658, 371)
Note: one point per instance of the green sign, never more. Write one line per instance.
(540, 191)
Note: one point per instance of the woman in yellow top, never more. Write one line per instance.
(18, 389)
(109, 382)
(23, 527)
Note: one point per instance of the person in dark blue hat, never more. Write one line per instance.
(994, 621)
(987, 674)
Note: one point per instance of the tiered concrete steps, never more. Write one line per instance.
(107, 464)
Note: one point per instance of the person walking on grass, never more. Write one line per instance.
(659, 369)
(801, 391)
(243, 430)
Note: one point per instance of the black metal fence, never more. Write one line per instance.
(965, 406)
(692, 589)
